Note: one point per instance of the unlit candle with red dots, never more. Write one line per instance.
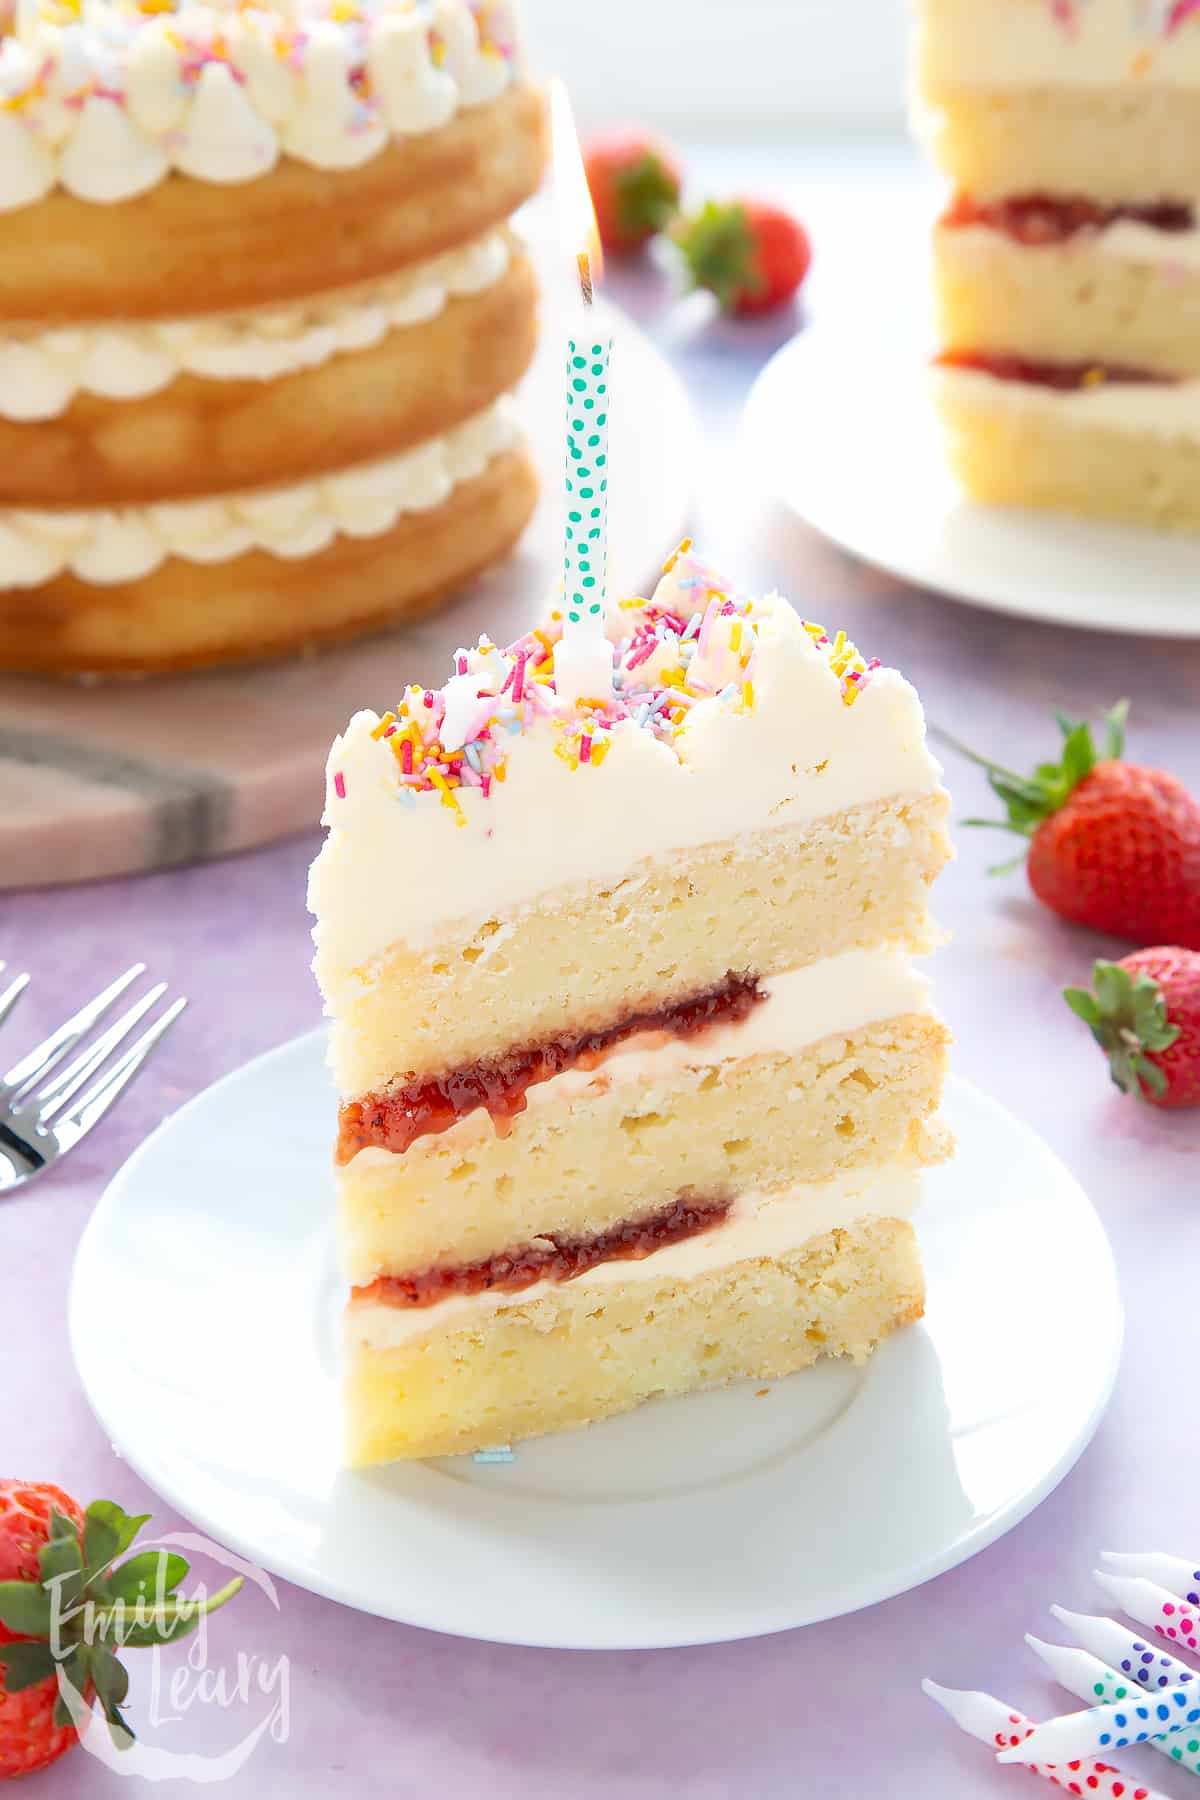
(992, 1722)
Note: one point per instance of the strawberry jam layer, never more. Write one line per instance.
(1048, 219)
(1067, 377)
(394, 1120)
(552, 1258)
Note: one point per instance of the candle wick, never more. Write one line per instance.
(583, 263)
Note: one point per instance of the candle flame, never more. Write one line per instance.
(577, 227)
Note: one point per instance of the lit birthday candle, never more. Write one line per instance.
(1175, 1573)
(1152, 1605)
(1085, 1675)
(1127, 1653)
(1104, 1728)
(584, 661)
(993, 1723)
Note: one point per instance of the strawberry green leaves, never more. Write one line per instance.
(86, 1606)
(1029, 799)
(1127, 1016)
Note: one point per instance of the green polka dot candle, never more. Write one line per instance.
(583, 662)
(585, 541)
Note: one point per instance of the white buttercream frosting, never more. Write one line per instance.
(739, 720)
(1173, 253)
(833, 997)
(1057, 43)
(1164, 409)
(106, 99)
(758, 1225)
(42, 372)
(104, 546)
(1131, 240)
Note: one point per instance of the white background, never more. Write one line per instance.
(706, 67)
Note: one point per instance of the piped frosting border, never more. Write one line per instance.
(107, 546)
(106, 99)
(42, 372)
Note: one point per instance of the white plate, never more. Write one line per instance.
(204, 1323)
(839, 427)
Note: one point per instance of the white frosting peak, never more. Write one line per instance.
(414, 96)
(224, 139)
(107, 158)
(771, 724)
(330, 124)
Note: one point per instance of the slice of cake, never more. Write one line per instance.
(637, 1079)
(1068, 263)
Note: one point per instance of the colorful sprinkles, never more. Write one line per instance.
(226, 32)
(694, 641)
(1162, 17)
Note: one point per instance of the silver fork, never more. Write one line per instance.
(43, 1114)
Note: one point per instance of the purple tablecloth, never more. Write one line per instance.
(833, 1711)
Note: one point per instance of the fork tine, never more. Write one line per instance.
(91, 1108)
(11, 994)
(50, 1052)
(54, 1096)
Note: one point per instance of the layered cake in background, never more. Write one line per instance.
(1068, 263)
(637, 1078)
(259, 312)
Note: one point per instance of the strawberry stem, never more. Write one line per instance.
(1128, 1019)
(88, 1606)
(1031, 799)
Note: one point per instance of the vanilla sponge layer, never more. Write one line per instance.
(1118, 451)
(1127, 144)
(586, 957)
(595, 1152)
(577, 1351)
(1128, 294)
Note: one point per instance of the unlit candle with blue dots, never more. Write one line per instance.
(585, 541)
(1090, 1678)
(1105, 1728)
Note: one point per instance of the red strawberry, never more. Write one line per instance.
(1145, 1013)
(1112, 846)
(29, 1737)
(65, 1611)
(751, 255)
(635, 185)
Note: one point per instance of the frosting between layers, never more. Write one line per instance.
(758, 1225)
(1126, 240)
(42, 372)
(739, 721)
(1165, 409)
(838, 995)
(364, 501)
(106, 99)
(1058, 43)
